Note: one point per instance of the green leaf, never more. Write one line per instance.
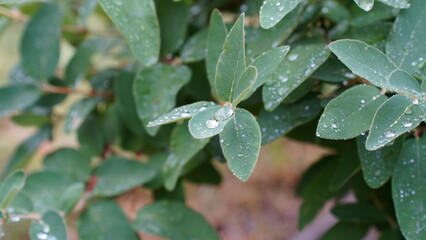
(104, 220)
(346, 168)
(138, 22)
(365, 5)
(287, 117)
(348, 231)
(117, 175)
(196, 48)
(232, 61)
(45, 189)
(396, 3)
(71, 195)
(396, 116)
(380, 12)
(40, 42)
(17, 97)
(408, 191)
(51, 226)
(402, 82)
(215, 39)
(90, 137)
(378, 166)
(155, 91)
(244, 85)
(10, 187)
(26, 150)
(79, 112)
(21, 204)
(182, 112)
(272, 11)
(69, 162)
(240, 142)
(405, 45)
(182, 148)
(183, 224)
(298, 65)
(359, 212)
(178, 193)
(210, 122)
(351, 113)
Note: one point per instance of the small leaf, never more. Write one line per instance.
(155, 91)
(366, 5)
(232, 61)
(272, 11)
(244, 85)
(182, 112)
(117, 175)
(405, 45)
(69, 162)
(183, 224)
(215, 39)
(351, 113)
(79, 112)
(207, 124)
(17, 97)
(240, 142)
(51, 226)
(399, 114)
(138, 22)
(104, 220)
(40, 43)
(408, 194)
(10, 187)
(196, 48)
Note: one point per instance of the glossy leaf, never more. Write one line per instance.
(245, 85)
(351, 113)
(10, 187)
(405, 45)
(408, 194)
(397, 3)
(232, 62)
(366, 5)
(207, 123)
(182, 112)
(196, 48)
(138, 22)
(117, 175)
(396, 116)
(298, 65)
(79, 112)
(40, 43)
(183, 224)
(104, 220)
(240, 142)
(215, 39)
(17, 97)
(155, 91)
(182, 148)
(51, 226)
(272, 11)
(69, 162)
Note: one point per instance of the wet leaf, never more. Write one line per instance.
(51, 226)
(215, 39)
(196, 48)
(17, 97)
(10, 187)
(365, 5)
(396, 3)
(207, 124)
(272, 11)
(245, 85)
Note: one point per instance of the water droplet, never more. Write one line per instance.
(377, 172)
(390, 134)
(293, 57)
(334, 125)
(212, 123)
(407, 124)
(362, 101)
(185, 115)
(416, 101)
(224, 113)
(42, 236)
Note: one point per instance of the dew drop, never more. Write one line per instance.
(293, 57)
(334, 125)
(212, 123)
(42, 236)
(224, 113)
(390, 134)
(407, 124)
(416, 101)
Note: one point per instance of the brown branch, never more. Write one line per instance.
(66, 90)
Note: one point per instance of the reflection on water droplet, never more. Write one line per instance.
(224, 113)
(293, 57)
(42, 236)
(416, 101)
(212, 123)
(407, 124)
(390, 134)
(334, 125)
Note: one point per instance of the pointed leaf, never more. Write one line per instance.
(396, 116)
(51, 226)
(207, 124)
(272, 11)
(17, 97)
(10, 187)
(240, 142)
(232, 61)
(40, 43)
(406, 42)
(245, 85)
(182, 112)
(184, 223)
(408, 191)
(366, 5)
(138, 22)
(402, 82)
(351, 113)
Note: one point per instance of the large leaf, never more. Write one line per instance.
(232, 61)
(406, 43)
(272, 11)
(298, 65)
(240, 142)
(52, 226)
(138, 22)
(69, 162)
(17, 97)
(155, 90)
(79, 112)
(104, 220)
(351, 113)
(10, 187)
(40, 43)
(366, 5)
(396, 116)
(182, 148)
(378, 166)
(287, 117)
(210, 122)
(117, 175)
(215, 39)
(174, 220)
(408, 190)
